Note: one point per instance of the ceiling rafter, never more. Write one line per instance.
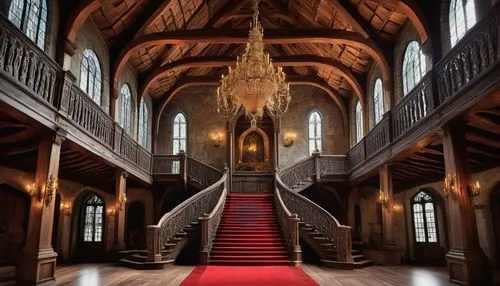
(80, 14)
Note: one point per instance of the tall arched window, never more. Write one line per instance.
(179, 133)
(413, 66)
(31, 17)
(126, 108)
(359, 122)
(93, 219)
(143, 124)
(462, 17)
(315, 132)
(424, 218)
(90, 75)
(378, 100)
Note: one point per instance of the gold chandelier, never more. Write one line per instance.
(254, 83)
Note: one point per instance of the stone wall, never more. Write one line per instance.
(199, 107)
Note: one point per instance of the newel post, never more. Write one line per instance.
(204, 255)
(295, 244)
(63, 100)
(153, 241)
(183, 165)
(344, 244)
(317, 167)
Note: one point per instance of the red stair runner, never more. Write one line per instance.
(249, 233)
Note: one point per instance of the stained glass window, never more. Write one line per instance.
(315, 132)
(93, 219)
(462, 17)
(424, 218)
(31, 17)
(91, 76)
(414, 66)
(359, 122)
(378, 100)
(126, 109)
(143, 124)
(179, 138)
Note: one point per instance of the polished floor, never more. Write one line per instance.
(109, 274)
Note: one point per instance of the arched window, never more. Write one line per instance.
(90, 75)
(462, 17)
(126, 108)
(359, 122)
(31, 17)
(424, 218)
(143, 124)
(413, 66)
(378, 100)
(179, 133)
(315, 132)
(93, 218)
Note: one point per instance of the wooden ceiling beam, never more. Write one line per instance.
(262, 15)
(79, 16)
(240, 36)
(286, 61)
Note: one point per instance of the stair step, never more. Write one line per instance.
(247, 248)
(247, 243)
(363, 263)
(250, 262)
(250, 257)
(241, 253)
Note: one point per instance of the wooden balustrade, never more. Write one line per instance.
(143, 158)
(202, 173)
(333, 165)
(357, 154)
(23, 63)
(165, 164)
(128, 148)
(299, 172)
(378, 138)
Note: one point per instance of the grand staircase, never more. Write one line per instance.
(249, 233)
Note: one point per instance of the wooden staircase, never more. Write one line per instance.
(325, 249)
(138, 258)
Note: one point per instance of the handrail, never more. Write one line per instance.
(210, 223)
(289, 225)
(319, 218)
(298, 172)
(200, 172)
(164, 164)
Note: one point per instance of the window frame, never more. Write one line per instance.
(469, 19)
(316, 138)
(378, 101)
(409, 59)
(89, 56)
(358, 121)
(126, 122)
(174, 138)
(23, 21)
(436, 225)
(83, 218)
(143, 125)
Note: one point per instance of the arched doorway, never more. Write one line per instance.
(14, 213)
(135, 233)
(91, 234)
(357, 231)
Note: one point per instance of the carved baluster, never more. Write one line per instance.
(19, 51)
(10, 53)
(475, 59)
(24, 67)
(483, 52)
(32, 70)
(4, 44)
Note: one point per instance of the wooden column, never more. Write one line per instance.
(467, 264)
(230, 151)
(121, 195)
(387, 219)
(277, 130)
(37, 262)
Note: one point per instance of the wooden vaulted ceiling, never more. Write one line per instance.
(340, 39)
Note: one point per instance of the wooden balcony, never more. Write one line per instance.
(468, 74)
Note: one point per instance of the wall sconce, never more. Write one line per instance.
(383, 199)
(475, 189)
(34, 191)
(450, 185)
(122, 200)
(396, 207)
(217, 138)
(66, 208)
(50, 189)
(111, 211)
(289, 139)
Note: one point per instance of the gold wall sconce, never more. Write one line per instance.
(111, 211)
(289, 138)
(396, 207)
(383, 199)
(217, 138)
(66, 208)
(475, 189)
(450, 182)
(51, 189)
(122, 200)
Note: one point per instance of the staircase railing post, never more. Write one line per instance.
(344, 244)
(294, 237)
(317, 166)
(153, 240)
(204, 255)
(183, 168)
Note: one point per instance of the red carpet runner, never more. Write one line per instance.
(248, 233)
(248, 275)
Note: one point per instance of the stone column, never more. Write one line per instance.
(467, 264)
(121, 197)
(387, 219)
(37, 263)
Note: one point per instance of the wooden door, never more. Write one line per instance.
(135, 237)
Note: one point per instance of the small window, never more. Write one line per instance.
(143, 124)
(413, 66)
(378, 100)
(90, 76)
(179, 134)
(424, 218)
(315, 132)
(359, 122)
(31, 17)
(462, 17)
(126, 109)
(93, 219)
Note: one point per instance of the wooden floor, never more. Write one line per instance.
(109, 274)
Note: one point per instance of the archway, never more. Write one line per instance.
(14, 213)
(357, 231)
(135, 232)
